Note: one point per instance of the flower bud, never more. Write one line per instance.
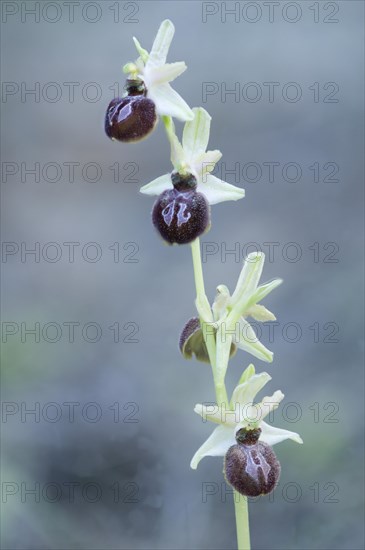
(133, 117)
(251, 466)
(192, 341)
(181, 216)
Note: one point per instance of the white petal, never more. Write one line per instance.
(272, 435)
(250, 275)
(245, 393)
(157, 186)
(161, 43)
(268, 404)
(216, 445)
(196, 133)
(170, 103)
(260, 313)
(246, 339)
(159, 75)
(217, 190)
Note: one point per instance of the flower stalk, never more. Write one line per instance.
(240, 501)
(242, 521)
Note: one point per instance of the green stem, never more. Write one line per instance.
(242, 522)
(217, 351)
(240, 502)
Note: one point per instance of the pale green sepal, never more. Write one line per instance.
(162, 43)
(250, 275)
(248, 341)
(212, 412)
(177, 152)
(272, 435)
(157, 186)
(223, 343)
(217, 190)
(196, 133)
(166, 73)
(170, 103)
(205, 163)
(260, 313)
(216, 445)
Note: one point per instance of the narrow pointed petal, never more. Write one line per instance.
(272, 435)
(161, 43)
(163, 74)
(216, 445)
(247, 374)
(245, 393)
(217, 190)
(260, 313)
(170, 103)
(157, 186)
(250, 275)
(247, 340)
(196, 133)
(142, 52)
(262, 291)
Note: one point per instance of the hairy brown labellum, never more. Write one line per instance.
(133, 117)
(181, 217)
(251, 466)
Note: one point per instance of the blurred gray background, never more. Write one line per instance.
(115, 473)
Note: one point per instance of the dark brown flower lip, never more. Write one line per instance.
(181, 217)
(252, 470)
